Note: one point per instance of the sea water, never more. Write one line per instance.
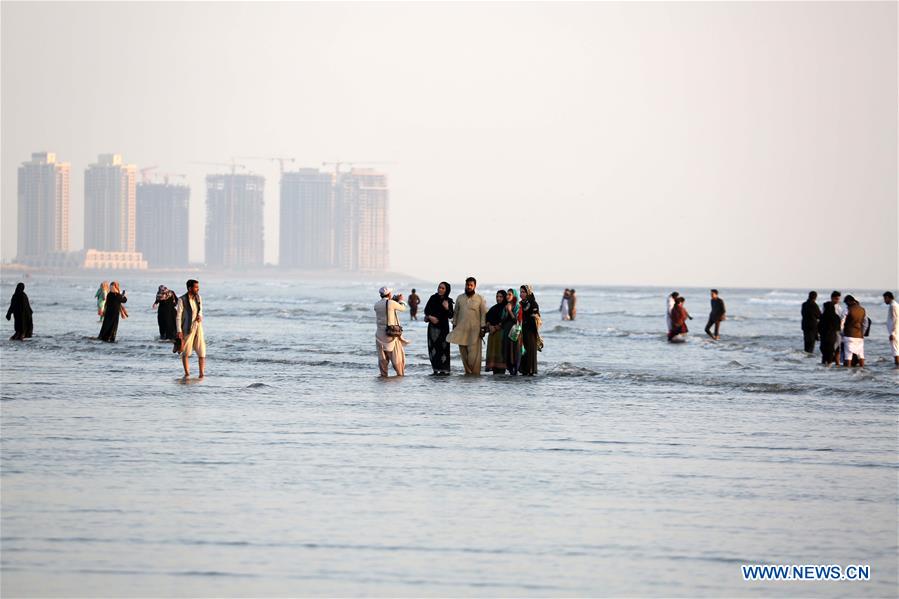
(628, 466)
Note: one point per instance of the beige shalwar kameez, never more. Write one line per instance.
(390, 349)
(469, 318)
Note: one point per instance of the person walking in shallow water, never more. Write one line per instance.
(438, 312)
(496, 362)
(166, 316)
(389, 334)
(565, 306)
(20, 309)
(672, 301)
(469, 326)
(530, 330)
(717, 314)
(189, 316)
(113, 309)
(572, 304)
(811, 314)
(414, 301)
(854, 327)
(892, 324)
(102, 291)
(679, 317)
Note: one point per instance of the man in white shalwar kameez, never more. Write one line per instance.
(390, 349)
(892, 324)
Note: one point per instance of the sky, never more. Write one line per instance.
(749, 144)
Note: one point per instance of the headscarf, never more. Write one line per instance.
(20, 289)
(114, 287)
(448, 288)
(530, 290)
(162, 293)
(514, 301)
(495, 313)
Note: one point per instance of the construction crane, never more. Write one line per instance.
(166, 176)
(143, 173)
(279, 159)
(233, 165)
(352, 164)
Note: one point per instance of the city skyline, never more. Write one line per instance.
(616, 143)
(328, 221)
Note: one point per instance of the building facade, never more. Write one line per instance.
(307, 220)
(163, 224)
(110, 197)
(43, 195)
(361, 224)
(234, 220)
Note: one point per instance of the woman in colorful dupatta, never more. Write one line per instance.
(438, 312)
(495, 359)
(512, 321)
(530, 312)
(102, 291)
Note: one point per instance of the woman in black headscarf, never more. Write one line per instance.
(20, 307)
(438, 312)
(530, 336)
(165, 317)
(114, 300)
(829, 332)
(495, 360)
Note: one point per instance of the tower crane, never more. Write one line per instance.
(352, 164)
(143, 173)
(279, 159)
(233, 165)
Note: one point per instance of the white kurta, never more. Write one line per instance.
(384, 342)
(893, 326)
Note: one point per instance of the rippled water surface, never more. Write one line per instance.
(627, 467)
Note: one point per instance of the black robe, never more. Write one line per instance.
(829, 331)
(529, 334)
(110, 326)
(20, 308)
(166, 317)
(438, 346)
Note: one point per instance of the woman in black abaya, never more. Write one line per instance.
(114, 300)
(438, 312)
(165, 317)
(20, 308)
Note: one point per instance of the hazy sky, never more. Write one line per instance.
(727, 144)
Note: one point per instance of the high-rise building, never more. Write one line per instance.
(43, 206)
(163, 223)
(362, 230)
(110, 204)
(234, 220)
(307, 219)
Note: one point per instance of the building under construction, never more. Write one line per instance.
(234, 220)
(362, 232)
(307, 220)
(163, 221)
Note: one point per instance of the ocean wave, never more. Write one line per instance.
(566, 369)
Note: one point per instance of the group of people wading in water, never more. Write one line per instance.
(511, 326)
(187, 338)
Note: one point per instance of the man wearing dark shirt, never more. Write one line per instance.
(811, 314)
(716, 315)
